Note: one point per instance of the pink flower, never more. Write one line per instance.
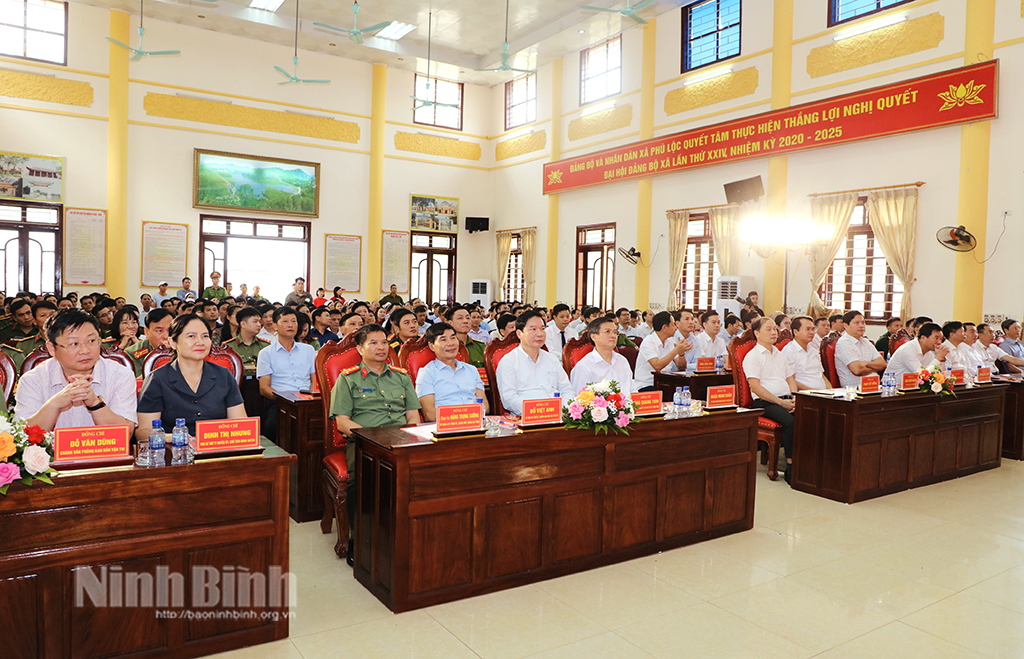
(575, 411)
(600, 401)
(36, 459)
(9, 473)
(599, 414)
(622, 420)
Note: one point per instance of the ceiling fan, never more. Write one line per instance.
(426, 103)
(294, 77)
(505, 66)
(628, 11)
(957, 239)
(139, 53)
(356, 34)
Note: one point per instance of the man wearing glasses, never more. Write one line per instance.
(76, 388)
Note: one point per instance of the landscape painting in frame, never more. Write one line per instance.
(234, 181)
(35, 178)
(435, 213)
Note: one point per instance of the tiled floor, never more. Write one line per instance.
(936, 572)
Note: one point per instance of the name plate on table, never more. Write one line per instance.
(705, 364)
(958, 375)
(721, 397)
(91, 444)
(460, 418)
(542, 411)
(984, 375)
(227, 436)
(646, 403)
(869, 384)
(909, 382)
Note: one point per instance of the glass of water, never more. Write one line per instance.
(851, 392)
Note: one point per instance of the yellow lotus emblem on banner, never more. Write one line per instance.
(957, 97)
(555, 177)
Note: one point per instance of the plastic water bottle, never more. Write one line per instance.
(179, 443)
(719, 362)
(685, 410)
(677, 404)
(885, 385)
(157, 443)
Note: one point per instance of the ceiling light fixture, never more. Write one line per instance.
(870, 26)
(708, 75)
(395, 31)
(266, 5)
(581, 31)
(600, 107)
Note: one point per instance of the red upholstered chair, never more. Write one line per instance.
(630, 354)
(416, 354)
(229, 359)
(898, 339)
(6, 375)
(37, 356)
(492, 355)
(768, 431)
(828, 357)
(116, 354)
(157, 358)
(576, 349)
(785, 336)
(331, 360)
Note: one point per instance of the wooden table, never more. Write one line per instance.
(1013, 420)
(697, 382)
(440, 521)
(221, 512)
(300, 430)
(855, 450)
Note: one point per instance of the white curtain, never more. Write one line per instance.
(832, 212)
(528, 243)
(678, 223)
(893, 217)
(504, 250)
(725, 234)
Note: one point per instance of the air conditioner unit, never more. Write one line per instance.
(727, 290)
(480, 291)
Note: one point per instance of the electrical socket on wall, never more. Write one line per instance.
(993, 318)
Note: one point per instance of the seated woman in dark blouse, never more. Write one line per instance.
(189, 387)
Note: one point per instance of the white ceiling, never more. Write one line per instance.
(467, 34)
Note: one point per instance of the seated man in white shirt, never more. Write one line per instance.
(972, 358)
(504, 325)
(821, 330)
(558, 333)
(709, 342)
(802, 357)
(855, 355)
(603, 363)
(528, 372)
(926, 350)
(991, 354)
(959, 352)
(772, 383)
(733, 328)
(660, 352)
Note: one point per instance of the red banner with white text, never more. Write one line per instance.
(944, 99)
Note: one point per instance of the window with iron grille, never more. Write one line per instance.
(859, 277)
(521, 101)
(601, 71)
(700, 269)
(514, 286)
(445, 103)
(34, 29)
(840, 11)
(711, 32)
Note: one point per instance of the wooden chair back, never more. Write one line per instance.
(828, 357)
(229, 359)
(738, 350)
(899, 338)
(157, 358)
(492, 356)
(630, 354)
(116, 354)
(576, 349)
(785, 336)
(6, 375)
(416, 354)
(36, 357)
(331, 360)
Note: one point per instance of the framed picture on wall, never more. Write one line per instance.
(31, 177)
(431, 213)
(233, 181)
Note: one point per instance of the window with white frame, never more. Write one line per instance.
(700, 269)
(444, 103)
(514, 286)
(601, 71)
(521, 101)
(34, 29)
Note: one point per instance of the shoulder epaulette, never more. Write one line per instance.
(233, 339)
(262, 340)
(400, 370)
(14, 348)
(109, 339)
(350, 369)
(140, 353)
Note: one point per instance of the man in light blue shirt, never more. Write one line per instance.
(1011, 344)
(686, 325)
(446, 380)
(284, 365)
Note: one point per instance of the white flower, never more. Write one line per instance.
(5, 426)
(36, 459)
(936, 387)
(599, 414)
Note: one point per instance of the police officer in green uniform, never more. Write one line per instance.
(158, 325)
(247, 344)
(371, 394)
